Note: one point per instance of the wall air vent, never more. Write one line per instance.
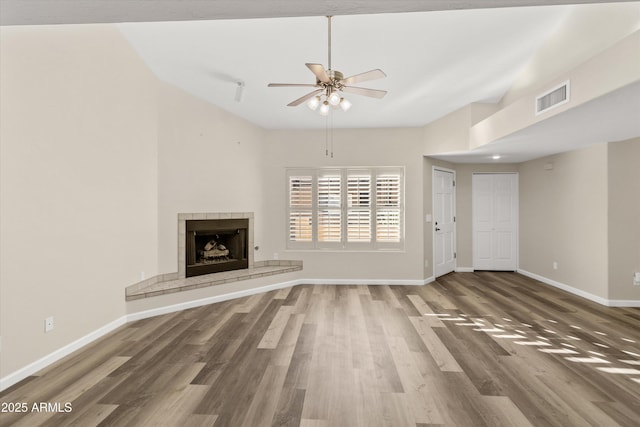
(553, 98)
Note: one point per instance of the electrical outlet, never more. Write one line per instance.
(636, 278)
(555, 265)
(275, 255)
(48, 324)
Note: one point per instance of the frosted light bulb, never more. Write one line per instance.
(324, 108)
(334, 99)
(314, 103)
(345, 104)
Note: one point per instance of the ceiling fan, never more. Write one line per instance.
(330, 83)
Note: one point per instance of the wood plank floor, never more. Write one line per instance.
(472, 349)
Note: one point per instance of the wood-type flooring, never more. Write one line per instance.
(471, 349)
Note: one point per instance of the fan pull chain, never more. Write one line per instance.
(326, 136)
(331, 119)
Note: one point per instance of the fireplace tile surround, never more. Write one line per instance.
(178, 282)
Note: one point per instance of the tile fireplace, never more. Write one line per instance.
(215, 245)
(214, 242)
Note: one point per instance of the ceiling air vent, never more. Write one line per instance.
(557, 96)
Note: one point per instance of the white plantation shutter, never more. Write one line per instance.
(330, 207)
(301, 208)
(359, 207)
(345, 208)
(329, 225)
(388, 207)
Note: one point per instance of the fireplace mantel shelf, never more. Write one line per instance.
(169, 283)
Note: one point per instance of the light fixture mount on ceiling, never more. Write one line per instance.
(331, 83)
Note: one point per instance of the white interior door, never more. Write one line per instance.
(444, 222)
(495, 222)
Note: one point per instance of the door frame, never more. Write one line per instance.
(517, 217)
(455, 223)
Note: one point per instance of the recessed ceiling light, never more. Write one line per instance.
(495, 157)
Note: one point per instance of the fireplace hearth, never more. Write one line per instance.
(216, 245)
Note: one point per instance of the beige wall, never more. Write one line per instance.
(78, 184)
(367, 147)
(450, 134)
(624, 218)
(563, 218)
(208, 161)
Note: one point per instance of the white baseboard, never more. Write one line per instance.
(429, 280)
(53, 357)
(464, 270)
(624, 303)
(361, 282)
(580, 292)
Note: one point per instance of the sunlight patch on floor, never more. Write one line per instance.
(587, 360)
(538, 343)
(624, 371)
(557, 351)
(507, 330)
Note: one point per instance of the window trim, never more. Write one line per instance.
(344, 244)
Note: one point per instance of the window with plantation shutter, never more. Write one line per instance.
(329, 208)
(388, 208)
(345, 208)
(301, 208)
(358, 207)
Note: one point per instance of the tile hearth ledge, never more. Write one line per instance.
(170, 283)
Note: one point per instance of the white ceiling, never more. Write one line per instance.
(436, 60)
(432, 66)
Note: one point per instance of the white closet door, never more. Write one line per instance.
(495, 222)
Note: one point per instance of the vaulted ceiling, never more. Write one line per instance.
(432, 66)
(438, 55)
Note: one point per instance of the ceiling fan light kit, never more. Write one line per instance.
(331, 83)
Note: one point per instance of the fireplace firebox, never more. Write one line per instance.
(215, 245)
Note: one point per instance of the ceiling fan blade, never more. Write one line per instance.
(290, 85)
(304, 98)
(374, 93)
(320, 72)
(363, 77)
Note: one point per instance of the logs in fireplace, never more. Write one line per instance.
(215, 245)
